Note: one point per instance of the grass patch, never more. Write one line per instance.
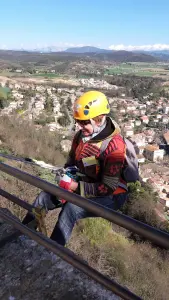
(139, 266)
(49, 75)
(137, 69)
(21, 138)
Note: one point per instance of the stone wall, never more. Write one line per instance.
(28, 271)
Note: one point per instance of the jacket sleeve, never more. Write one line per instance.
(111, 168)
(71, 156)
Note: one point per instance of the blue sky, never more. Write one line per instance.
(64, 23)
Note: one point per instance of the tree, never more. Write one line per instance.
(63, 121)
(3, 99)
(142, 203)
(48, 104)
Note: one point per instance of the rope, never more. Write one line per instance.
(40, 214)
(31, 162)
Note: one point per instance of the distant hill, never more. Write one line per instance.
(111, 55)
(84, 53)
(162, 54)
(158, 54)
(87, 49)
(126, 56)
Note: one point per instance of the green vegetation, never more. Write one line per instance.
(114, 251)
(123, 256)
(138, 266)
(4, 97)
(48, 104)
(138, 87)
(4, 90)
(46, 175)
(26, 141)
(44, 119)
(48, 75)
(138, 69)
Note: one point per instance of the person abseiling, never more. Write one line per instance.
(101, 162)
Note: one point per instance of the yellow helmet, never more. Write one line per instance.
(90, 105)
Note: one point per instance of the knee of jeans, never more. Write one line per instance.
(41, 199)
(71, 211)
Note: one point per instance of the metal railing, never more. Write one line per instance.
(71, 258)
(156, 236)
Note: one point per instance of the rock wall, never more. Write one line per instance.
(30, 272)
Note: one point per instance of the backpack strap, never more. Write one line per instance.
(105, 144)
(102, 149)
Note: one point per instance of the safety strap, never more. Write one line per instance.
(105, 144)
(102, 149)
(40, 213)
(122, 185)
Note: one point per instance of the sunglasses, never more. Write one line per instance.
(83, 122)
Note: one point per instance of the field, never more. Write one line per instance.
(49, 75)
(141, 69)
(4, 90)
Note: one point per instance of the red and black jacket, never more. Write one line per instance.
(102, 170)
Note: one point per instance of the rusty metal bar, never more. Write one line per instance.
(72, 259)
(16, 200)
(159, 237)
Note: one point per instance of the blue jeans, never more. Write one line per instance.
(70, 213)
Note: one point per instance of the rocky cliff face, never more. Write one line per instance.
(28, 271)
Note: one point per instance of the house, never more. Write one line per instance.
(142, 106)
(18, 71)
(122, 111)
(158, 105)
(141, 158)
(158, 116)
(128, 130)
(145, 119)
(156, 183)
(141, 150)
(130, 124)
(137, 123)
(135, 112)
(166, 137)
(131, 107)
(142, 112)
(139, 139)
(165, 119)
(153, 153)
(166, 109)
(149, 135)
(164, 196)
(164, 200)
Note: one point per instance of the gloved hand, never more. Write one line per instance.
(72, 172)
(68, 184)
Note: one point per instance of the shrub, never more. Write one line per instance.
(22, 138)
(63, 121)
(141, 268)
(48, 104)
(141, 204)
(44, 119)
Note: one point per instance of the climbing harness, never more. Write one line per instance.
(40, 214)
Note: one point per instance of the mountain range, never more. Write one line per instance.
(91, 51)
(87, 53)
(87, 49)
(159, 54)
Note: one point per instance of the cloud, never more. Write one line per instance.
(142, 47)
(67, 44)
